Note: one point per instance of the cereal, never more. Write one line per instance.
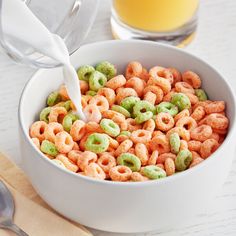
(141, 126)
(107, 69)
(97, 143)
(84, 72)
(130, 160)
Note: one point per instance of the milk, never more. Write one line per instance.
(19, 22)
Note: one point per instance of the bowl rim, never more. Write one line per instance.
(129, 184)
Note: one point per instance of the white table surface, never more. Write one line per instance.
(215, 42)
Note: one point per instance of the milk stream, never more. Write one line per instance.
(19, 22)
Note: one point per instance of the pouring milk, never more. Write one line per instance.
(19, 22)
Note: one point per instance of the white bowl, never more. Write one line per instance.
(127, 207)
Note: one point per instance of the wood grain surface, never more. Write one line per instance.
(215, 42)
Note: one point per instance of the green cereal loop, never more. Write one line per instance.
(97, 80)
(153, 172)
(67, 105)
(201, 94)
(142, 107)
(107, 69)
(130, 160)
(121, 110)
(125, 132)
(143, 117)
(84, 72)
(53, 98)
(110, 127)
(91, 93)
(181, 101)
(167, 107)
(183, 160)
(129, 102)
(44, 114)
(97, 143)
(68, 120)
(49, 148)
(174, 143)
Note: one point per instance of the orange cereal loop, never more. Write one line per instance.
(192, 98)
(116, 82)
(183, 145)
(186, 122)
(37, 130)
(51, 130)
(110, 114)
(162, 72)
(208, 147)
(182, 132)
(144, 75)
(142, 153)
(101, 102)
(201, 133)
(149, 125)
(198, 113)
(92, 113)
(36, 142)
(95, 171)
(57, 114)
(164, 121)
(160, 143)
(141, 136)
(106, 161)
(196, 161)
(153, 158)
(109, 94)
(164, 84)
(120, 173)
(192, 78)
(176, 75)
(156, 90)
(182, 114)
(123, 147)
(125, 92)
(162, 158)
(169, 165)
(63, 93)
(215, 107)
(93, 126)
(138, 177)
(202, 103)
(150, 97)
(84, 86)
(85, 159)
(64, 142)
(157, 133)
(215, 136)
(194, 145)
(83, 141)
(122, 137)
(134, 68)
(76, 146)
(77, 130)
(220, 131)
(132, 151)
(73, 155)
(113, 144)
(132, 126)
(137, 84)
(161, 166)
(119, 120)
(168, 96)
(195, 155)
(67, 163)
(183, 87)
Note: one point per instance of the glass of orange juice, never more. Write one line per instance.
(168, 21)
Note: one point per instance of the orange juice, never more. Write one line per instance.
(155, 15)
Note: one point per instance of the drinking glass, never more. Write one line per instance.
(168, 21)
(70, 19)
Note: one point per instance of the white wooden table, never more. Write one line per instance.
(215, 42)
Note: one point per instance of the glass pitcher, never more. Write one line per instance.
(71, 19)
